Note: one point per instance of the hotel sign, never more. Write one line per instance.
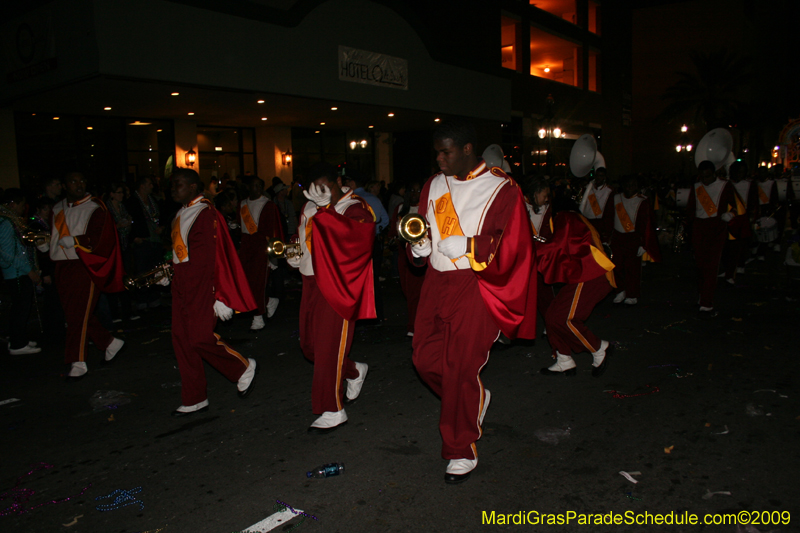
(360, 66)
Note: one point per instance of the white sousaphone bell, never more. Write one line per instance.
(715, 146)
(584, 156)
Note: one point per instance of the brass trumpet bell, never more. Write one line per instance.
(413, 228)
(278, 248)
(36, 238)
(149, 278)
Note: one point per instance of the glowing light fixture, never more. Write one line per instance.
(56, 118)
(263, 118)
(547, 69)
(261, 101)
(174, 94)
(190, 113)
(542, 133)
(89, 128)
(678, 148)
(688, 147)
(321, 123)
(191, 157)
(286, 158)
(334, 108)
(363, 143)
(106, 109)
(437, 120)
(556, 132)
(352, 145)
(391, 114)
(370, 127)
(684, 128)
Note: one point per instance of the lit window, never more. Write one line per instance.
(564, 9)
(509, 31)
(594, 17)
(594, 71)
(555, 58)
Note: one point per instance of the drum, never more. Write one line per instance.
(682, 197)
(766, 229)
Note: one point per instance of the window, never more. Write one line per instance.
(594, 71)
(594, 17)
(225, 151)
(555, 58)
(509, 49)
(150, 145)
(564, 9)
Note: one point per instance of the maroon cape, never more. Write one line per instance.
(508, 283)
(230, 281)
(104, 262)
(342, 259)
(568, 257)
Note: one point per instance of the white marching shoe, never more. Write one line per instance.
(619, 298)
(272, 306)
(458, 470)
(329, 421)
(114, 348)
(258, 323)
(564, 365)
(631, 301)
(354, 385)
(185, 410)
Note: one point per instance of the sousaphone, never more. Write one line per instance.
(715, 146)
(583, 155)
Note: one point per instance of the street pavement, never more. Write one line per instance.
(701, 407)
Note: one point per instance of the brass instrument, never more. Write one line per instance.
(36, 238)
(413, 228)
(278, 248)
(149, 278)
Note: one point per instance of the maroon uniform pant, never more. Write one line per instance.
(325, 338)
(79, 295)
(566, 317)
(193, 337)
(708, 239)
(255, 264)
(628, 265)
(545, 294)
(452, 338)
(411, 280)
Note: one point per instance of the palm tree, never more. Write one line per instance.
(714, 94)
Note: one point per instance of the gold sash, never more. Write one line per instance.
(762, 196)
(60, 223)
(247, 218)
(595, 206)
(447, 218)
(706, 201)
(178, 246)
(624, 219)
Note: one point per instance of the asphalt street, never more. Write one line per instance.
(705, 419)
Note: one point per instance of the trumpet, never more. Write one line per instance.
(413, 228)
(36, 238)
(278, 248)
(149, 278)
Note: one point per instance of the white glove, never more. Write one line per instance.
(319, 195)
(422, 249)
(44, 247)
(293, 261)
(641, 252)
(67, 242)
(164, 282)
(726, 217)
(454, 246)
(222, 311)
(273, 264)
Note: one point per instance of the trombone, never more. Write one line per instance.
(278, 248)
(149, 278)
(413, 228)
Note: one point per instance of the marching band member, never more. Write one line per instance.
(85, 249)
(337, 229)
(597, 204)
(208, 283)
(768, 206)
(478, 283)
(411, 276)
(735, 251)
(574, 256)
(634, 240)
(712, 204)
(540, 211)
(260, 221)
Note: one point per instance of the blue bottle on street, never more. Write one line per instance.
(328, 470)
